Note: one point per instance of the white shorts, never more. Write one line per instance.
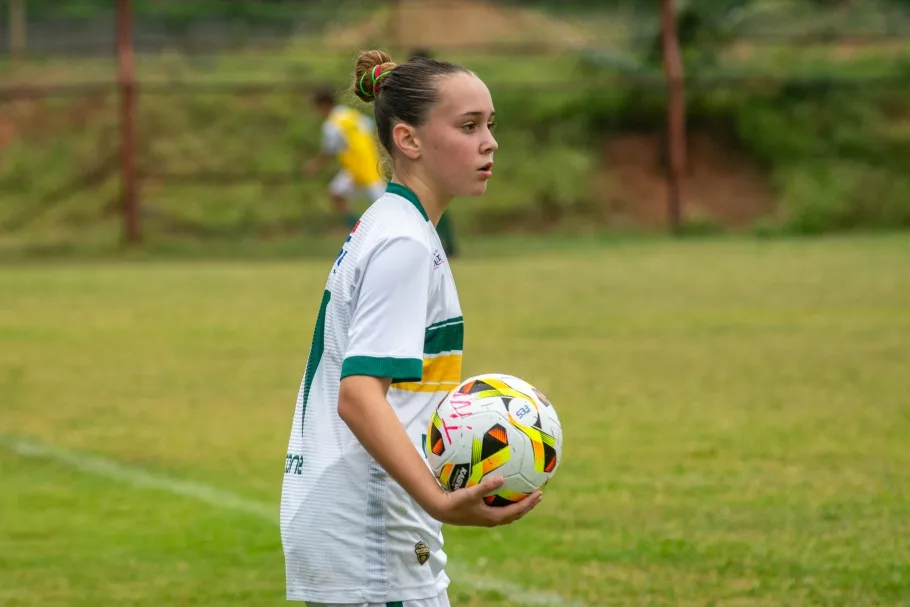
(343, 185)
(438, 601)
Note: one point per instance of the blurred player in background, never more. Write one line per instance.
(348, 136)
(445, 228)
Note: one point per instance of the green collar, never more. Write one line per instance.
(406, 193)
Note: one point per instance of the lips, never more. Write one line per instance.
(486, 171)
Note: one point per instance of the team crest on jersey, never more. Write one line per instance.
(422, 551)
(438, 259)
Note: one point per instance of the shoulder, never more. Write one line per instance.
(393, 218)
(329, 126)
(366, 122)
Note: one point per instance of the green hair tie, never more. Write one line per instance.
(375, 78)
(368, 94)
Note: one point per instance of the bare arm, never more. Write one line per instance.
(315, 164)
(363, 406)
(387, 327)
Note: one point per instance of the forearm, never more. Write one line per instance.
(316, 163)
(372, 420)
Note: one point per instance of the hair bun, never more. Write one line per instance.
(371, 69)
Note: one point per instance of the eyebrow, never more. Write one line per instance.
(476, 113)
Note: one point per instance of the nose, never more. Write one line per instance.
(489, 145)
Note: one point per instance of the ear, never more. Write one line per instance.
(405, 138)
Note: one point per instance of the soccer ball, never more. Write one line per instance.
(495, 424)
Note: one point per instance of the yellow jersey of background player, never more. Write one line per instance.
(347, 136)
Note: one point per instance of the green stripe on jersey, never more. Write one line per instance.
(316, 350)
(396, 369)
(444, 337)
(406, 193)
(395, 604)
(449, 321)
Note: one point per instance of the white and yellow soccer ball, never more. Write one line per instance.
(497, 425)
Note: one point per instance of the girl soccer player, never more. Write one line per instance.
(361, 513)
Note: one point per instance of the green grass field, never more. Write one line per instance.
(736, 418)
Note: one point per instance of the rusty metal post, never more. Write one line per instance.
(676, 112)
(127, 84)
(18, 27)
(397, 16)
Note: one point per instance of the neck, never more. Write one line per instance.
(433, 203)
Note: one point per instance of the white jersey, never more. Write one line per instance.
(350, 533)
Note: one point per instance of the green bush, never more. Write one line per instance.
(819, 197)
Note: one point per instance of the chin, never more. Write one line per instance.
(478, 189)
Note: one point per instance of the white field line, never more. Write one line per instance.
(137, 477)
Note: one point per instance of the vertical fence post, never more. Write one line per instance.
(18, 26)
(397, 16)
(676, 112)
(127, 85)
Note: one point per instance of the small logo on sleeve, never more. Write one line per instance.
(344, 252)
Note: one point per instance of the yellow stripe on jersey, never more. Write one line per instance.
(360, 157)
(440, 374)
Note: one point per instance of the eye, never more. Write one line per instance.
(468, 128)
(491, 125)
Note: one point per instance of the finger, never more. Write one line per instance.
(511, 513)
(517, 510)
(487, 485)
(531, 506)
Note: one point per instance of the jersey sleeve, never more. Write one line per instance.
(389, 314)
(332, 139)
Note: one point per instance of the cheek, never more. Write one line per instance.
(452, 150)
